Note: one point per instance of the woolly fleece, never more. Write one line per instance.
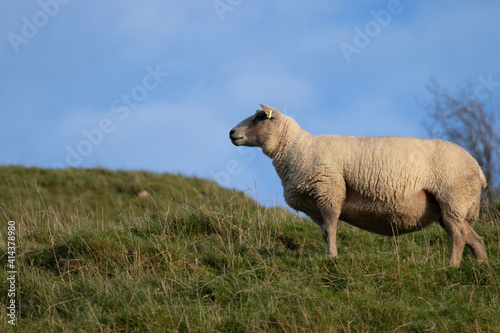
(387, 185)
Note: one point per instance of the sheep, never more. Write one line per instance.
(386, 185)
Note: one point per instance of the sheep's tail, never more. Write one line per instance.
(483, 178)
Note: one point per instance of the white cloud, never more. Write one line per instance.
(278, 53)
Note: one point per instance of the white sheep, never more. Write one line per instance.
(386, 185)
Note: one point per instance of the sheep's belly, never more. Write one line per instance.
(391, 219)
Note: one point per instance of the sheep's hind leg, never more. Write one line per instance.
(476, 244)
(459, 234)
(462, 233)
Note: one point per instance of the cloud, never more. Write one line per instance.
(60, 87)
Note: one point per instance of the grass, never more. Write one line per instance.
(93, 256)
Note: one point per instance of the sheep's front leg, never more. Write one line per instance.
(329, 228)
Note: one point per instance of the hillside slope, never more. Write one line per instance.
(101, 250)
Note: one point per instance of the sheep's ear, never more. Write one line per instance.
(270, 112)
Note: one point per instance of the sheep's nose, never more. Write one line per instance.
(232, 132)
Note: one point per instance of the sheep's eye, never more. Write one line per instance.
(260, 116)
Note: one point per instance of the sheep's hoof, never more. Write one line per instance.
(333, 254)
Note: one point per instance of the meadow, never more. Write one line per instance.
(94, 253)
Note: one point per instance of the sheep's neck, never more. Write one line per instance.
(279, 145)
(288, 154)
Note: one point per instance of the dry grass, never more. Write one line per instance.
(94, 256)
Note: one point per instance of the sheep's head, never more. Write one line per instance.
(260, 130)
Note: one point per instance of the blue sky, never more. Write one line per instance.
(157, 85)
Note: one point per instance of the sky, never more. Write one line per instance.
(157, 85)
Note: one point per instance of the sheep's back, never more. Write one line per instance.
(390, 168)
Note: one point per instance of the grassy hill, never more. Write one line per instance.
(95, 253)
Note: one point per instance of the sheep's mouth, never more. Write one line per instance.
(235, 140)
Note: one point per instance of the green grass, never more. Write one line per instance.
(92, 256)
